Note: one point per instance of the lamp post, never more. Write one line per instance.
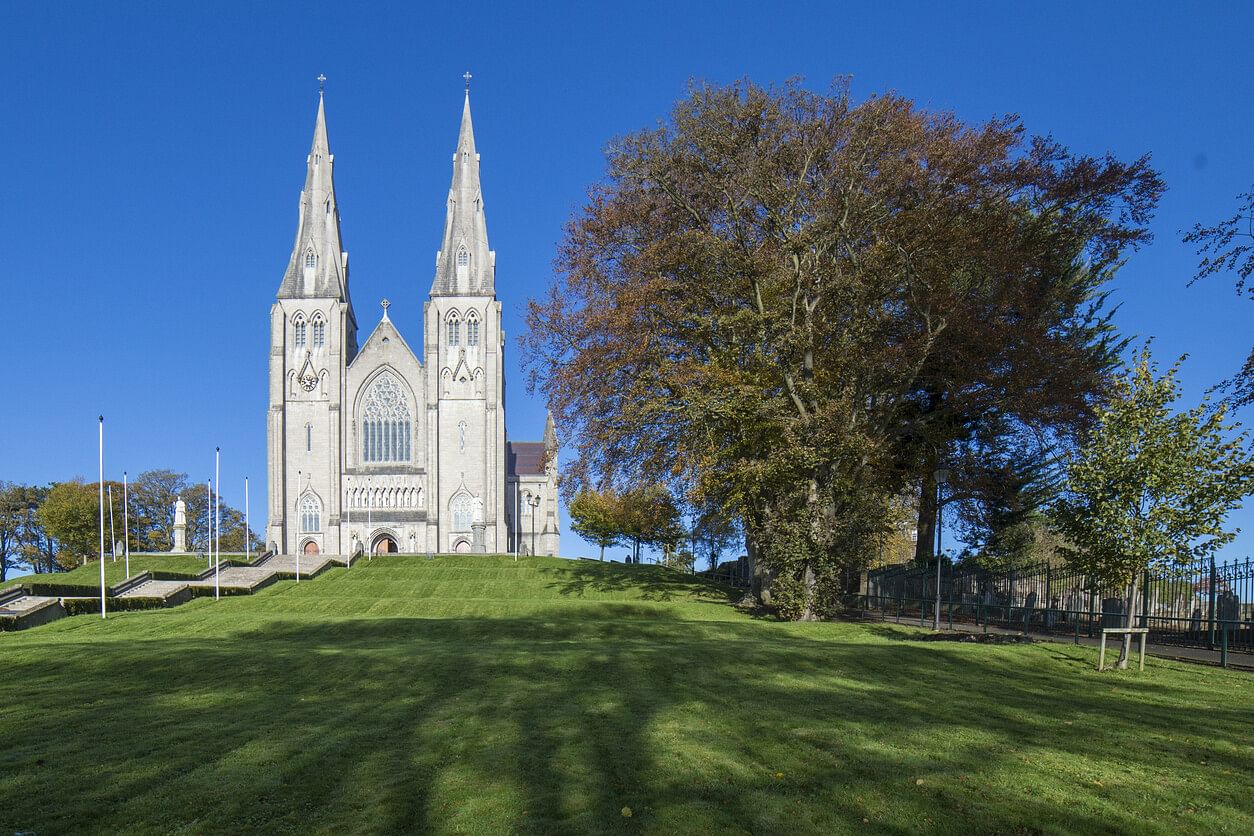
(535, 509)
(942, 476)
(248, 532)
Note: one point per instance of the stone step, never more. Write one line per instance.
(22, 603)
(154, 589)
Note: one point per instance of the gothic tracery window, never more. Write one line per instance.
(454, 331)
(310, 514)
(298, 326)
(472, 330)
(319, 331)
(386, 425)
(311, 258)
(463, 512)
(463, 258)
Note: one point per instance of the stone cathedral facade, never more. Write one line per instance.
(374, 447)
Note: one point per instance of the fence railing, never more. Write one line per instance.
(1204, 605)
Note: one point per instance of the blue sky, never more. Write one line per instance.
(154, 152)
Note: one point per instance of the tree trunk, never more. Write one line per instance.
(926, 522)
(602, 552)
(811, 582)
(1125, 648)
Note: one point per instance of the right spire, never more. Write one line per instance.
(464, 265)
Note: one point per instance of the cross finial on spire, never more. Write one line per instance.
(386, 304)
(322, 83)
(468, 77)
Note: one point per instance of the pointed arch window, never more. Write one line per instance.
(310, 513)
(311, 257)
(298, 329)
(472, 329)
(462, 511)
(463, 258)
(386, 424)
(454, 331)
(309, 438)
(319, 331)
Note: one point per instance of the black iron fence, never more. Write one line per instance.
(1204, 605)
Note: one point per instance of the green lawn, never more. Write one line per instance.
(115, 571)
(479, 695)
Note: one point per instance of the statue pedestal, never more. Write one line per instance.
(477, 541)
(180, 539)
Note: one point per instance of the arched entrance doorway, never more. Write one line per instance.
(384, 544)
(311, 548)
(462, 547)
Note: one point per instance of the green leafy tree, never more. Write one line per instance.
(152, 496)
(594, 517)
(71, 514)
(1152, 487)
(12, 508)
(647, 515)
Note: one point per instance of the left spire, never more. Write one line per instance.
(319, 266)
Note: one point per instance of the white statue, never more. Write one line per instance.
(180, 527)
(478, 517)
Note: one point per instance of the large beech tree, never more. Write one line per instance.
(793, 304)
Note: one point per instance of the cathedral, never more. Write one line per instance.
(373, 447)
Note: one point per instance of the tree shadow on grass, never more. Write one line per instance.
(556, 723)
(650, 583)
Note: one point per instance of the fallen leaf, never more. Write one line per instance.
(918, 781)
(626, 812)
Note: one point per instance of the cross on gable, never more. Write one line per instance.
(468, 77)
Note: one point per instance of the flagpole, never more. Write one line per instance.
(299, 548)
(113, 538)
(102, 583)
(248, 532)
(217, 517)
(126, 522)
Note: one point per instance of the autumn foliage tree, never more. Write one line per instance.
(793, 304)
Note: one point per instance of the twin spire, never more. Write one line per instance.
(464, 265)
(319, 266)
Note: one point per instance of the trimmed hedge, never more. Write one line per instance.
(83, 606)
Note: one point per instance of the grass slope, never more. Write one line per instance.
(479, 695)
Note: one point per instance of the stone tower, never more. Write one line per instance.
(313, 338)
(465, 386)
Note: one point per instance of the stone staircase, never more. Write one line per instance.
(20, 610)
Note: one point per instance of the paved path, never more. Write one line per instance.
(1189, 654)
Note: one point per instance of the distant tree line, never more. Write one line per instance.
(649, 516)
(56, 527)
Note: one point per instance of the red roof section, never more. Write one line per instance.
(525, 458)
